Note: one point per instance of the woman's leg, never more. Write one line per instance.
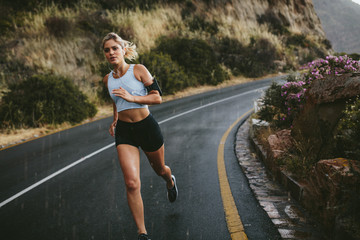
(157, 162)
(129, 158)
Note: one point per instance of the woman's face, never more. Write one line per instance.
(113, 52)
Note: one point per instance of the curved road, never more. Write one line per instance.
(43, 196)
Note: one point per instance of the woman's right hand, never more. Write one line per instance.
(112, 128)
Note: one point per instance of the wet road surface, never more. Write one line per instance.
(88, 200)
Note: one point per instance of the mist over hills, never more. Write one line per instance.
(341, 22)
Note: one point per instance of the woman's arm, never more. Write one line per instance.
(152, 98)
(142, 74)
(113, 124)
(115, 113)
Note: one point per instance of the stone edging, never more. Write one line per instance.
(288, 216)
(310, 195)
(295, 188)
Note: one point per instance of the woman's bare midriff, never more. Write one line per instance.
(133, 115)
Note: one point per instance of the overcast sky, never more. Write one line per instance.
(357, 1)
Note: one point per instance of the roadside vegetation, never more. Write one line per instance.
(316, 116)
(282, 103)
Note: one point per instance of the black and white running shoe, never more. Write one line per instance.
(173, 192)
(143, 236)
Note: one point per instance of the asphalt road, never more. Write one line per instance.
(42, 197)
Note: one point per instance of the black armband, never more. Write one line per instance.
(154, 86)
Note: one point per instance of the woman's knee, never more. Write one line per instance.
(132, 185)
(161, 171)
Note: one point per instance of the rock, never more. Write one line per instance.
(332, 88)
(330, 191)
(325, 102)
(280, 143)
(257, 125)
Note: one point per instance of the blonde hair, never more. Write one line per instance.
(130, 48)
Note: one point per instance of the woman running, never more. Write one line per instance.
(132, 89)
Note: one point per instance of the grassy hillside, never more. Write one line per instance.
(340, 20)
(184, 43)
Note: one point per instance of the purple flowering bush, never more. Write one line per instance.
(282, 104)
(293, 95)
(331, 65)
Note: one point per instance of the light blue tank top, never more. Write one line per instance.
(130, 84)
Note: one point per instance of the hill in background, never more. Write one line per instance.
(184, 43)
(341, 22)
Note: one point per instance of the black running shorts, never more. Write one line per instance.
(145, 134)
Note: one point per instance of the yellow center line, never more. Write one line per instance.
(235, 226)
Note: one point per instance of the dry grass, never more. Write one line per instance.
(74, 56)
(12, 137)
(148, 26)
(263, 135)
(63, 55)
(197, 90)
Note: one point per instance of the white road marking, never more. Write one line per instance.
(112, 144)
(54, 174)
(210, 104)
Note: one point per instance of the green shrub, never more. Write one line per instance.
(198, 23)
(7, 21)
(355, 56)
(44, 99)
(297, 40)
(327, 44)
(232, 54)
(196, 57)
(126, 32)
(96, 23)
(281, 104)
(263, 57)
(171, 76)
(300, 159)
(15, 70)
(133, 4)
(217, 3)
(353, 208)
(278, 23)
(348, 131)
(21, 5)
(103, 69)
(253, 60)
(58, 26)
(188, 9)
(273, 108)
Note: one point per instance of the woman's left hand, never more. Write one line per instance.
(120, 92)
